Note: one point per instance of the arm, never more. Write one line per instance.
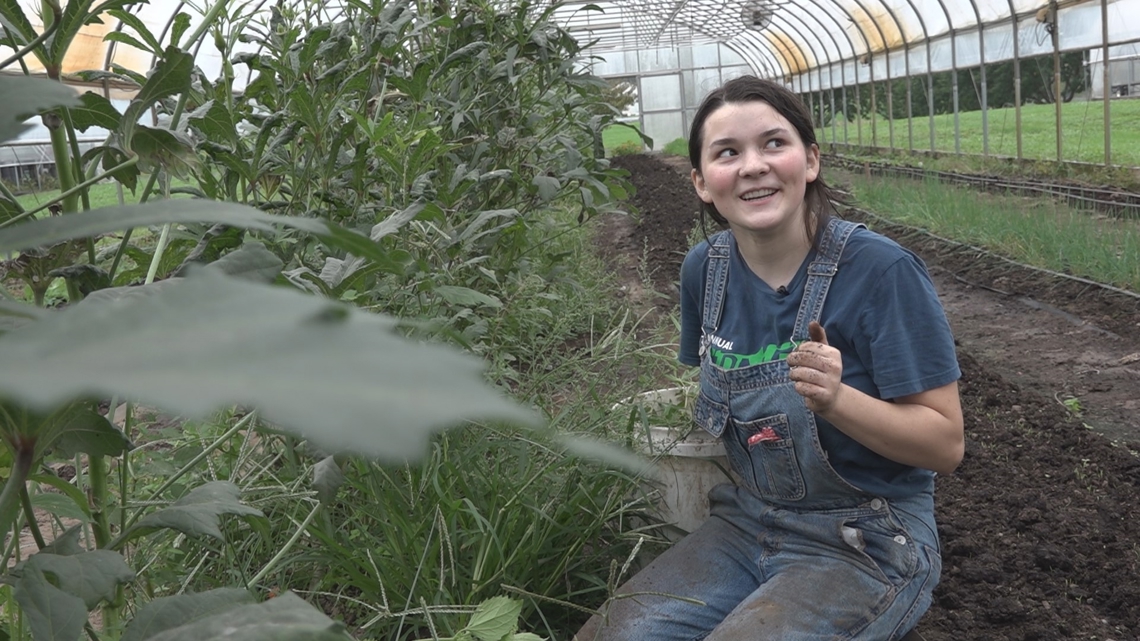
(924, 429)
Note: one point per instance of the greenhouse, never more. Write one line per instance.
(521, 320)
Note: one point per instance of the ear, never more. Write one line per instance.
(812, 163)
(700, 186)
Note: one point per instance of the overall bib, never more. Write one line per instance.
(795, 552)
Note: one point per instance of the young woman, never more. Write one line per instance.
(829, 372)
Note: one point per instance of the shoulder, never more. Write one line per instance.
(871, 255)
(697, 258)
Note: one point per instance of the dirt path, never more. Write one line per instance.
(1039, 524)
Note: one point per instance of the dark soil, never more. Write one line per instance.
(1040, 524)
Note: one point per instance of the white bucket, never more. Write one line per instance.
(688, 461)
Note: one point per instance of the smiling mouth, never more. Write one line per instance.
(757, 194)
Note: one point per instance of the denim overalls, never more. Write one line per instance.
(796, 552)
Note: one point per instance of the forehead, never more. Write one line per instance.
(743, 120)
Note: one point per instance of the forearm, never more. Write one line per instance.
(923, 430)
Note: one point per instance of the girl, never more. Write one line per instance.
(828, 370)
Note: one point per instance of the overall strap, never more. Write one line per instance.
(820, 271)
(716, 283)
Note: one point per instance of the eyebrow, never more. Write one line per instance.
(765, 134)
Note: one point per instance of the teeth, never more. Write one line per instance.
(759, 193)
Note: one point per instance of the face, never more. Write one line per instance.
(755, 169)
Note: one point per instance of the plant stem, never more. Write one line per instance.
(119, 254)
(288, 545)
(97, 476)
(63, 168)
(24, 452)
(9, 196)
(159, 250)
(125, 467)
(30, 516)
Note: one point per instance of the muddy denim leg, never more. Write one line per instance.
(854, 574)
(804, 604)
(716, 564)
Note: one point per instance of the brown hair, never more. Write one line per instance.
(818, 196)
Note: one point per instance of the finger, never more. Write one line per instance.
(816, 333)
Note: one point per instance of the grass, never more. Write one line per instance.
(619, 134)
(1035, 231)
(1082, 132)
(105, 194)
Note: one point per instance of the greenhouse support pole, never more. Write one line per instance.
(874, 107)
(954, 84)
(982, 68)
(985, 92)
(909, 104)
(834, 115)
(1055, 34)
(930, 95)
(1107, 88)
(1016, 82)
(843, 95)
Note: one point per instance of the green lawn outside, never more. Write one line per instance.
(1082, 133)
(618, 134)
(104, 194)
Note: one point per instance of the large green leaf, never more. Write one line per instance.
(199, 512)
(26, 97)
(163, 148)
(251, 261)
(51, 613)
(466, 296)
(15, 22)
(56, 229)
(91, 433)
(95, 111)
(59, 505)
(327, 479)
(286, 618)
(215, 121)
(327, 372)
(170, 77)
(91, 576)
(171, 612)
(15, 315)
(495, 618)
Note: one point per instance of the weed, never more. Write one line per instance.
(627, 148)
(677, 147)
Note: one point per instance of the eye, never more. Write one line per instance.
(725, 153)
(774, 143)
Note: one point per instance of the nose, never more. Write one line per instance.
(753, 163)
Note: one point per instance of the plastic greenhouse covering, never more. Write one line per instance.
(679, 49)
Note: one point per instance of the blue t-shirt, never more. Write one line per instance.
(883, 315)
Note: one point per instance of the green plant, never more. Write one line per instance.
(1039, 232)
(494, 620)
(179, 343)
(677, 147)
(628, 148)
(1071, 403)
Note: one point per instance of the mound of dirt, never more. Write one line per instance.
(1039, 524)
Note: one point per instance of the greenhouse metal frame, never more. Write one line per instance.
(834, 53)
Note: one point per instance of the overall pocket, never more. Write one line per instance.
(710, 415)
(765, 456)
(884, 545)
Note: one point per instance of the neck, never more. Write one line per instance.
(774, 259)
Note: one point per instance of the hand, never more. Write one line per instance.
(816, 368)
